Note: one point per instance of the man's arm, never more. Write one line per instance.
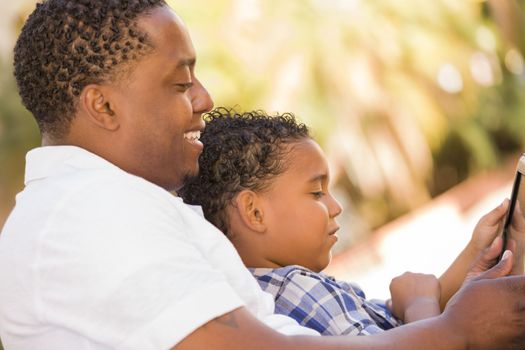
(488, 313)
(239, 330)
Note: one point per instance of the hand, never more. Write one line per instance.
(414, 296)
(488, 312)
(488, 227)
(489, 257)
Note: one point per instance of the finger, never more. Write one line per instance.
(511, 245)
(518, 221)
(494, 250)
(491, 254)
(494, 216)
(501, 269)
(488, 258)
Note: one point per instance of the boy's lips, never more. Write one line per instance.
(334, 231)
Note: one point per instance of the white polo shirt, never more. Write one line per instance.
(93, 257)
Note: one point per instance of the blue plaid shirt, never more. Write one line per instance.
(318, 301)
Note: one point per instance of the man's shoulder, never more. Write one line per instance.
(86, 176)
(70, 168)
(70, 185)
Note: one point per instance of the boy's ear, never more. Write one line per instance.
(251, 212)
(98, 106)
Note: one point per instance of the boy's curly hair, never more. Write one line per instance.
(67, 44)
(241, 151)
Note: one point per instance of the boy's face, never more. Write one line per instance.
(300, 212)
(161, 104)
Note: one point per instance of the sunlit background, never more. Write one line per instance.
(408, 98)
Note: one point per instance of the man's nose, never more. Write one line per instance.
(201, 100)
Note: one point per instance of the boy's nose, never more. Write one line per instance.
(335, 207)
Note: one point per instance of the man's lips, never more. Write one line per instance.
(192, 136)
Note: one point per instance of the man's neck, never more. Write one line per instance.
(48, 140)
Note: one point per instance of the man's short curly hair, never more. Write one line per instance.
(241, 151)
(67, 44)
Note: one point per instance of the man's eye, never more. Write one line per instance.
(318, 194)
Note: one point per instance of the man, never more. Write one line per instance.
(97, 254)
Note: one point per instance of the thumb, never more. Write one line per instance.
(501, 269)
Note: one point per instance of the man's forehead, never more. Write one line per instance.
(167, 33)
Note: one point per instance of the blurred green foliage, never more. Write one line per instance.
(408, 98)
(18, 133)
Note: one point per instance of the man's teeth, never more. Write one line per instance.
(192, 135)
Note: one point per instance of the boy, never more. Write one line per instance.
(264, 182)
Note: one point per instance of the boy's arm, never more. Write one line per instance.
(484, 233)
(452, 279)
(483, 315)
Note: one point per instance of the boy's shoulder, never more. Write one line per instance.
(275, 280)
(303, 280)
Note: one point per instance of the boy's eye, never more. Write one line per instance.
(317, 194)
(184, 86)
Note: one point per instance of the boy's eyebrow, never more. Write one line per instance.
(318, 177)
(189, 62)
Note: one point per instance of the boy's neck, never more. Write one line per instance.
(251, 255)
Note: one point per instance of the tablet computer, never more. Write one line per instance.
(517, 198)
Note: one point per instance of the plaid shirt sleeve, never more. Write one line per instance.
(320, 302)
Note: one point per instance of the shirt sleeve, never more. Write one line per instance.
(382, 314)
(376, 308)
(128, 275)
(320, 304)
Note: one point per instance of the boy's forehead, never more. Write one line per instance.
(307, 158)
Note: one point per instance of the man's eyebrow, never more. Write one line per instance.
(184, 63)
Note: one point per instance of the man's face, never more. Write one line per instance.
(161, 105)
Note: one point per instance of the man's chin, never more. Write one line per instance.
(188, 177)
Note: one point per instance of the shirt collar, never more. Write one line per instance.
(42, 162)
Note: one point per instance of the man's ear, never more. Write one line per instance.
(251, 212)
(98, 106)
